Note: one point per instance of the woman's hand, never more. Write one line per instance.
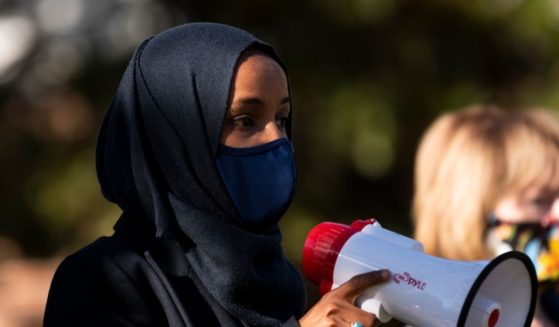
(337, 307)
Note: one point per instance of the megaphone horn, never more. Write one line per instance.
(425, 291)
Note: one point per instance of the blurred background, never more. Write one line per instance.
(367, 77)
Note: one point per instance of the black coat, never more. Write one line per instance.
(180, 255)
(112, 283)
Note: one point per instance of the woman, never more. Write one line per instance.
(487, 181)
(196, 150)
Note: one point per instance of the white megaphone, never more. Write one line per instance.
(425, 291)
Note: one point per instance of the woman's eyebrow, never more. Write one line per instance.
(258, 101)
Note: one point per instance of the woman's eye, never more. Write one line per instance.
(282, 122)
(541, 203)
(243, 121)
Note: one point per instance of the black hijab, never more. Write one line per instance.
(156, 160)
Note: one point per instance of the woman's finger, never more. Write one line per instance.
(351, 289)
(337, 307)
(365, 318)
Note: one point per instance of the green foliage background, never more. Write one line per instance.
(367, 77)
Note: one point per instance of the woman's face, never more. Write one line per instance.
(260, 103)
(537, 203)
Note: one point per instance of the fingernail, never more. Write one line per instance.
(385, 273)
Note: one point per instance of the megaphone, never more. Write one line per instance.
(425, 291)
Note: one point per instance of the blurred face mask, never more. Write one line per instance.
(541, 244)
(260, 180)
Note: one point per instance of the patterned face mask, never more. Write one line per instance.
(540, 243)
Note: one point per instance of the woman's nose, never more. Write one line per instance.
(271, 133)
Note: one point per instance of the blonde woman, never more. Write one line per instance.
(487, 181)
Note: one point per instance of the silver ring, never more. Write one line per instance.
(356, 324)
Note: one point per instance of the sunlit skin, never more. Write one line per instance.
(260, 106)
(260, 103)
(534, 204)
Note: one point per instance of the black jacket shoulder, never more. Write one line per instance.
(102, 285)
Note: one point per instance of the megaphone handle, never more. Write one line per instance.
(373, 306)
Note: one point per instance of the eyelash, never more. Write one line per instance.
(246, 121)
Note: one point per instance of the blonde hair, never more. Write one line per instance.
(467, 159)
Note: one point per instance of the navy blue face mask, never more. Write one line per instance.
(260, 180)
